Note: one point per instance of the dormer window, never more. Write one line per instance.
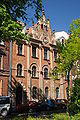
(41, 26)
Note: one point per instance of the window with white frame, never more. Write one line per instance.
(34, 71)
(46, 92)
(45, 53)
(33, 51)
(20, 49)
(55, 55)
(19, 70)
(45, 73)
(57, 92)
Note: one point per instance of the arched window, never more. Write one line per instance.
(45, 73)
(34, 93)
(46, 92)
(33, 71)
(57, 92)
(19, 70)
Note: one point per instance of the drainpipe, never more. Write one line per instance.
(10, 64)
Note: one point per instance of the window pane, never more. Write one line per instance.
(45, 53)
(65, 75)
(19, 70)
(34, 93)
(45, 73)
(57, 92)
(41, 26)
(33, 51)
(55, 55)
(33, 71)
(46, 92)
(20, 49)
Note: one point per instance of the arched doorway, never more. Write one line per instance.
(19, 94)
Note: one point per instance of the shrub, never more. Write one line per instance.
(61, 117)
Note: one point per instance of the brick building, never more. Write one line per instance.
(31, 63)
(4, 67)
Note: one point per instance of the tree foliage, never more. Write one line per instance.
(75, 98)
(10, 10)
(70, 52)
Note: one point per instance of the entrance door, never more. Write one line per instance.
(18, 95)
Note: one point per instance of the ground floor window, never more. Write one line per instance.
(57, 92)
(46, 92)
(34, 93)
(0, 87)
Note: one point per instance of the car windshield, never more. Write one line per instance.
(5, 100)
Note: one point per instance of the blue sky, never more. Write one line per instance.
(61, 13)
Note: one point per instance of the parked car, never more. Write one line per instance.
(41, 105)
(61, 104)
(5, 105)
(22, 108)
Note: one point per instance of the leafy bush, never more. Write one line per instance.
(61, 117)
(76, 117)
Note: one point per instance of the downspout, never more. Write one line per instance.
(10, 64)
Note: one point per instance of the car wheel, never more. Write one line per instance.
(4, 112)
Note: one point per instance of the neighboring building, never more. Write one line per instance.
(61, 36)
(31, 63)
(4, 68)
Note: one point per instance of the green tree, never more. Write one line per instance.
(69, 53)
(75, 98)
(10, 10)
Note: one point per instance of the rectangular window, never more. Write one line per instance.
(45, 54)
(33, 51)
(20, 49)
(65, 75)
(41, 26)
(55, 55)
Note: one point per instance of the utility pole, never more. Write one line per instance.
(10, 64)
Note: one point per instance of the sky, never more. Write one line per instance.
(61, 13)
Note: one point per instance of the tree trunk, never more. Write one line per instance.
(68, 93)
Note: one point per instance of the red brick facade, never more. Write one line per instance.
(4, 67)
(41, 38)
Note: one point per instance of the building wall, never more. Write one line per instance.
(4, 68)
(40, 38)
